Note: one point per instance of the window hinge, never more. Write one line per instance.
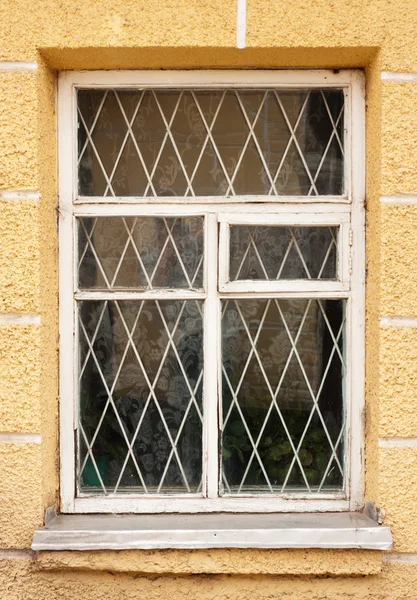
(350, 250)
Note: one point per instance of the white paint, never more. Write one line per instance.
(99, 532)
(355, 347)
(399, 199)
(397, 442)
(220, 79)
(125, 207)
(241, 24)
(307, 286)
(176, 294)
(305, 293)
(20, 319)
(211, 395)
(392, 76)
(131, 201)
(195, 504)
(325, 218)
(19, 195)
(401, 557)
(347, 210)
(18, 66)
(67, 161)
(20, 438)
(398, 321)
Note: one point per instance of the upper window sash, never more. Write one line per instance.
(127, 256)
(154, 83)
(253, 259)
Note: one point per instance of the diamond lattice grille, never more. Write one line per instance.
(210, 142)
(140, 381)
(141, 253)
(144, 285)
(283, 408)
(283, 252)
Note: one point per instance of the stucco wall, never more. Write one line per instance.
(39, 38)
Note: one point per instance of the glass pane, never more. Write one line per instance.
(140, 252)
(210, 142)
(283, 369)
(140, 387)
(276, 252)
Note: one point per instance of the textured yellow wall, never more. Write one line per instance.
(20, 578)
(18, 131)
(20, 359)
(51, 35)
(218, 561)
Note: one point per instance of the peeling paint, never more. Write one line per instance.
(377, 36)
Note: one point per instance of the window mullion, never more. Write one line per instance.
(211, 353)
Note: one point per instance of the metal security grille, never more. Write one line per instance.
(281, 252)
(289, 467)
(211, 291)
(158, 143)
(107, 406)
(158, 252)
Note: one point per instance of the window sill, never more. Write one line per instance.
(163, 531)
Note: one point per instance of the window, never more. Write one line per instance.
(211, 291)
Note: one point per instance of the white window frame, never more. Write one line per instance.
(341, 220)
(346, 210)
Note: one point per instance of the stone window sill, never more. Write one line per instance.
(199, 531)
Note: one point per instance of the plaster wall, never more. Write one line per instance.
(38, 39)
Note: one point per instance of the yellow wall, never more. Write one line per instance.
(375, 35)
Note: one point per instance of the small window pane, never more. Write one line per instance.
(140, 397)
(283, 368)
(156, 143)
(276, 252)
(140, 252)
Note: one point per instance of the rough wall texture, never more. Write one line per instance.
(18, 131)
(19, 578)
(19, 257)
(218, 561)
(398, 257)
(20, 359)
(20, 494)
(377, 36)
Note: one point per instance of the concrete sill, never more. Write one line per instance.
(163, 531)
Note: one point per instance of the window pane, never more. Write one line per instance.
(283, 371)
(140, 386)
(140, 252)
(210, 142)
(276, 252)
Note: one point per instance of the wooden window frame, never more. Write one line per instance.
(327, 218)
(346, 210)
